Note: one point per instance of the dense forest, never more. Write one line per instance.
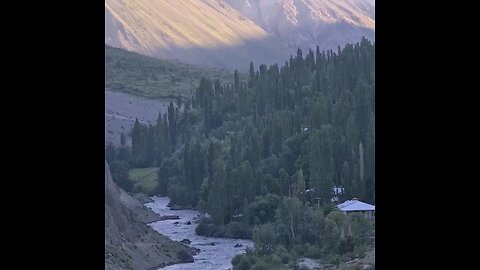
(264, 156)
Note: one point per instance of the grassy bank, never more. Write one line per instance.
(144, 179)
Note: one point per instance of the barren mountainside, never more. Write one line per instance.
(204, 32)
(308, 23)
(230, 33)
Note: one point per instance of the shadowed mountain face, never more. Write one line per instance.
(230, 33)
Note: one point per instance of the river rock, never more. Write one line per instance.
(238, 245)
(188, 223)
(168, 217)
(208, 244)
(186, 241)
(194, 250)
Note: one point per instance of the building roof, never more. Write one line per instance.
(355, 205)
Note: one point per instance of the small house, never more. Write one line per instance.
(356, 206)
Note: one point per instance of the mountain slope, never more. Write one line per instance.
(149, 77)
(206, 32)
(129, 242)
(308, 23)
(230, 33)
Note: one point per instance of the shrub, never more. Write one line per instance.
(312, 251)
(261, 265)
(236, 260)
(217, 231)
(265, 238)
(119, 171)
(338, 217)
(282, 253)
(239, 230)
(299, 249)
(359, 251)
(244, 264)
(276, 260)
(205, 227)
(333, 259)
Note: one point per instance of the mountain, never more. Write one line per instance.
(308, 23)
(204, 32)
(230, 33)
(129, 242)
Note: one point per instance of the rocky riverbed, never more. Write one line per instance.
(214, 253)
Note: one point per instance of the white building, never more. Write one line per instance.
(337, 191)
(356, 206)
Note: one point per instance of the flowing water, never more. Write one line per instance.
(211, 257)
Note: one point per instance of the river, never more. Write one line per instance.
(216, 257)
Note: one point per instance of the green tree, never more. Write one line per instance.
(119, 171)
(264, 237)
(217, 197)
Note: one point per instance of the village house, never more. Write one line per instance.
(356, 206)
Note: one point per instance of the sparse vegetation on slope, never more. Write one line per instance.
(149, 77)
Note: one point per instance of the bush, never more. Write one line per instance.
(282, 253)
(119, 171)
(312, 251)
(261, 265)
(276, 260)
(333, 259)
(239, 230)
(218, 231)
(264, 237)
(338, 217)
(244, 264)
(205, 227)
(299, 249)
(359, 251)
(236, 260)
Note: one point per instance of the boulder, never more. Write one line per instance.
(186, 241)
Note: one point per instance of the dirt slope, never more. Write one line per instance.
(129, 242)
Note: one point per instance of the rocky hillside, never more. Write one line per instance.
(230, 33)
(308, 23)
(204, 32)
(129, 242)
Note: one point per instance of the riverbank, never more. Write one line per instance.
(365, 263)
(129, 242)
(215, 253)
